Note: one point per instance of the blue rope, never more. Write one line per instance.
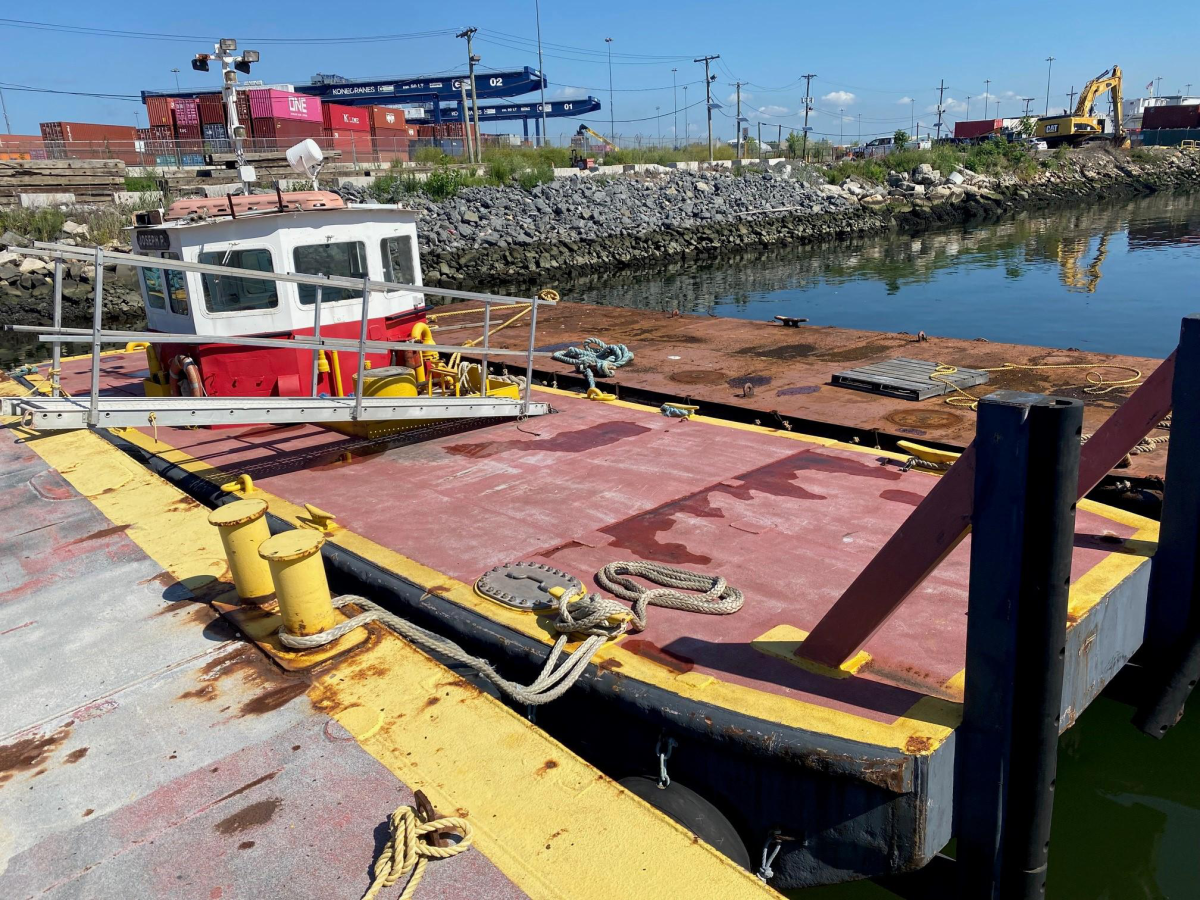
(595, 358)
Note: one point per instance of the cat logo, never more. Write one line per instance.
(1051, 129)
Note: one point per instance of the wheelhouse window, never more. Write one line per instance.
(347, 259)
(231, 293)
(176, 283)
(398, 265)
(152, 284)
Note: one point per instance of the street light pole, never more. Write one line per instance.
(176, 71)
(537, 11)
(612, 125)
(987, 95)
(841, 127)
(675, 100)
(968, 113)
(687, 129)
(1049, 67)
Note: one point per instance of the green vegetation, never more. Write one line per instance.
(431, 156)
(986, 158)
(900, 138)
(105, 223)
(141, 183)
(1142, 155)
(795, 142)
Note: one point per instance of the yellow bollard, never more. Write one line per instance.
(299, 577)
(243, 527)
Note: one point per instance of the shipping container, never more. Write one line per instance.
(212, 109)
(345, 118)
(158, 111)
(187, 112)
(273, 104)
(216, 139)
(85, 140)
(242, 100)
(271, 135)
(1177, 116)
(977, 128)
(386, 118)
(22, 146)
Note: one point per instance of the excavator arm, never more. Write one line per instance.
(1108, 81)
(583, 129)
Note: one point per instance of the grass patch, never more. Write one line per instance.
(105, 223)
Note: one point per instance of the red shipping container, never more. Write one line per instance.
(977, 128)
(242, 99)
(345, 118)
(386, 118)
(212, 109)
(158, 111)
(272, 135)
(1177, 116)
(187, 112)
(268, 103)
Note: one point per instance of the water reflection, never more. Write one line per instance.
(1031, 279)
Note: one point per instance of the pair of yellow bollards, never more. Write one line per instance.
(287, 566)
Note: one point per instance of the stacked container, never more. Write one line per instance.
(212, 109)
(348, 130)
(84, 140)
(188, 137)
(1175, 116)
(391, 134)
(282, 118)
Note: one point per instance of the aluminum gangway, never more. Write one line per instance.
(59, 411)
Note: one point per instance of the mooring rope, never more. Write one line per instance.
(962, 399)
(405, 851)
(600, 618)
(595, 358)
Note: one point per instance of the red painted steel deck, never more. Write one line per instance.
(789, 522)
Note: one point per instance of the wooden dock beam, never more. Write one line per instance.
(1025, 488)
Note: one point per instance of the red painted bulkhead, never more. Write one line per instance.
(233, 371)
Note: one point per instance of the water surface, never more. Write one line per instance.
(1114, 278)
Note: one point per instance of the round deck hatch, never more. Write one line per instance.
(527, 585)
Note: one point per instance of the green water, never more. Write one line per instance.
(1126, 814)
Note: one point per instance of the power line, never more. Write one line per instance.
(93, 31)
(37, 90)
(586, 50)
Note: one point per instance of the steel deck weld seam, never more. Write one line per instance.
(471, 782)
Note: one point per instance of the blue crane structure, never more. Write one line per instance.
(433, 91)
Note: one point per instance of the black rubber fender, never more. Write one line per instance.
(693, 812)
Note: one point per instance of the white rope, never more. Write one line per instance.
(594, 615)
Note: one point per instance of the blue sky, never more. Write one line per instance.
(878, 61)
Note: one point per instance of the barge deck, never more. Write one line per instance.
(149, 749)
(864, 758)
(711, 360)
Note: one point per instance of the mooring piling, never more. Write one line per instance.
(1172, 644)
(1023, 527)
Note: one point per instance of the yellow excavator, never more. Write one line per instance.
(1082, 125)
(585, 132)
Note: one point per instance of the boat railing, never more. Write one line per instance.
(57, 335)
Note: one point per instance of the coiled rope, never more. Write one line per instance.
(405, 851)
(961, 399)
(595, 358)
(600, 618)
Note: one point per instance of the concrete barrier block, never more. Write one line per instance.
(40, 201)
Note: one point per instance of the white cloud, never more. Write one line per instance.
(905, 100)
(845, 98)
(949, 105)
(566, 93)
(773, 110)
(732, 98)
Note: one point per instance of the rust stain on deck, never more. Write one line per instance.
(249, 817)
(76, 755)
(29, 753)
(910, 497)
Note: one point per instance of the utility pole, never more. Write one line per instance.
(842, 127)
(708, 97)
(1187, 89)
(675, 100)
(941, 94)
(807, 106)
(987, 95)
(612, 125)
(860, 129)
(968, 108)
(738, 120)
(687, 129)
(537, 9)
(658, 119)
(4, 107)
(1071, 98)
(176, 73)
(469, 33)
(1049, 67)
(912, 115)
(468, 143)
(224, 51)
(1158, 86)
(1029, 100)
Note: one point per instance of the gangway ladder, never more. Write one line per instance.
(59, 412)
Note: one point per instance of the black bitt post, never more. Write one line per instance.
(1023, 529)
(1173, 606)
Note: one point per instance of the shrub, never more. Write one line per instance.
(430, 156)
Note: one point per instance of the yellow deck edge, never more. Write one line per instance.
(539, 811)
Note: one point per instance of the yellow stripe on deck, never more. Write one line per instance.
(554, 825)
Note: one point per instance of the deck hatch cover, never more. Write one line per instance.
(906, 378)
(526, 585)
